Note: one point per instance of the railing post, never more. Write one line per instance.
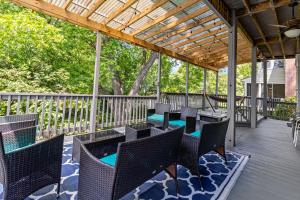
(93, 112)
(265, 89)
(217, 88)
(204, 89)
(253, 89)
(232, 51)
(298, 81)
(158, 78)
(187, 85)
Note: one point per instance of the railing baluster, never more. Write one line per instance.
(27, 104)
(103, 110)
(111, 112)
(8, 105)
(107, 109)
(63, 116)
(81, 114)
(70, 114)
(56, 115)
(18, 104)
(75, 115)
(49, 117)
(36, 103)
(43, 115)
(87, 113)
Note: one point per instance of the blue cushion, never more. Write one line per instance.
(177, 123)
(10, 147)
(156, 117)
(196, 134)
(110, 160)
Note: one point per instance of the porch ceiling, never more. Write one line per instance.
(187, 30)
(257, 15)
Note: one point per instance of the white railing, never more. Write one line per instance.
(70, 113)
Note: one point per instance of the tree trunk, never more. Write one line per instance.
(116, 82)
(142, 74)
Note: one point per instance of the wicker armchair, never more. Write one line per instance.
(26, 166)
(134, 163)
(187, 117)
(210, 138)
(159, 116)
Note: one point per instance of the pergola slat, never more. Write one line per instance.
(184, 28)
(177, 22)
(67, 4)
(143, 13)
(94, 7)
(60, 13)
(168, 14)
(119, 11)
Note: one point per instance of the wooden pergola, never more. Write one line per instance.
(207, 33)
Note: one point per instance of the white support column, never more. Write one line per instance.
(217, 88)
(93, 112)
(158, 78)
(253, 102)
(187, 85)
(231, 96)
(204, 89)
(298, 81)
(265, 88)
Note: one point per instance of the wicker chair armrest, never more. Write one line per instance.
(174, 116)
(150, 112)
(37, 157)
(156, 131)
(104, 147)
(190, 144)
(190, 124)
(95, 178)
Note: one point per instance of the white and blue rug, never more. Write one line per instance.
(218, 179)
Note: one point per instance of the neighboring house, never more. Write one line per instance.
(281, 79)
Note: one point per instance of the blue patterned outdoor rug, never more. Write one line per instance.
(218, 179)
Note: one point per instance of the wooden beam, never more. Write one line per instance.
(220, 9)
(278, 29)
(189, 34)
(58, 12)
(181, 47)
(260, 7)
(177, 22)
(261, 42)
(143, 13)
(205, 36)
(184, 28)
(168, 14)
(254, 19)
(67, 4)
(94, 7)
(118, 11)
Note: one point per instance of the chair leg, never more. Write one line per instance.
(201, 186)
(58, 190)
(221, 151)
(172, 171)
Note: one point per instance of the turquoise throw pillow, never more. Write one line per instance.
(110, 160)
(156, 117)
(196, 134)
(177, 123)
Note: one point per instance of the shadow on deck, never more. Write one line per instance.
(273, 171)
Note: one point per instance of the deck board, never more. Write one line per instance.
(273, 171)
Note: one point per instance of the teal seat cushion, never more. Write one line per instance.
(10, 147)
(196, 134)
(156, 117)
(177, 123)
(110, 160)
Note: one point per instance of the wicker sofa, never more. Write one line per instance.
(27, 166)
(194, 145)
(111, 168)
(159, 116)
(186, 117)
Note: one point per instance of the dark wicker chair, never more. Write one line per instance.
(211, 138)
(159, 116)
(26, 166)
(136, 162)
(186, 117)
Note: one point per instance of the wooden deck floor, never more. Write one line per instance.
(273, 171)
